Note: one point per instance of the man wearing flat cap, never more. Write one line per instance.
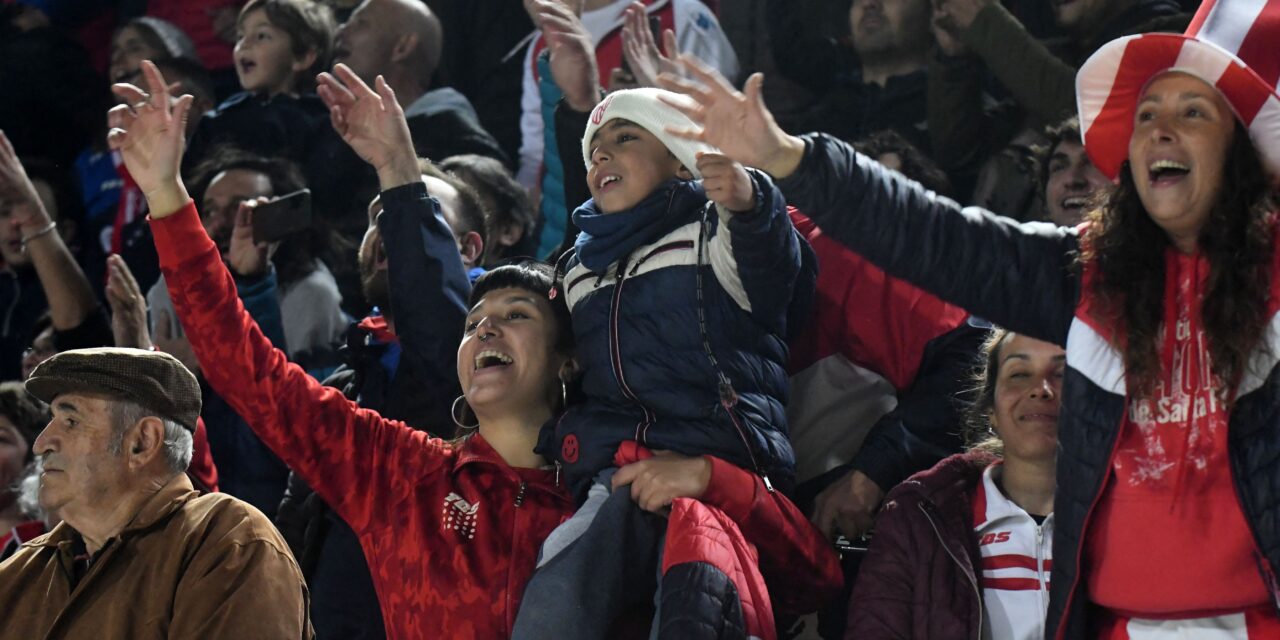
(140, 553)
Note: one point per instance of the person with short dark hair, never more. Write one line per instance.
(512, 219)
(135, 536)
(1069, 182)
(282, 44)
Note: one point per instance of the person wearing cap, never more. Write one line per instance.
(139, 552)
(675, 231)
(1165, 300)
(451, 529)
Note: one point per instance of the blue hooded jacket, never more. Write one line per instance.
(681, 330)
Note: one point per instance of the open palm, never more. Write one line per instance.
(149, 130)
(370, 122)
(736, 123)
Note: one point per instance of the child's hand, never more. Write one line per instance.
(736, 123)
(372, 123)
(727, 183)
(656, 482)
(149, 132)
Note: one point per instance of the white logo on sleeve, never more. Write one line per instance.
(460, 515)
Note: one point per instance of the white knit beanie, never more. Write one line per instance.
(643, 107)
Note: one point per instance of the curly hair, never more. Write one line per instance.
(1128, 248)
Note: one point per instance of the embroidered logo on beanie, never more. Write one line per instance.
(649, 109)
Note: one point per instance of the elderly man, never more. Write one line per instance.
(140, 553)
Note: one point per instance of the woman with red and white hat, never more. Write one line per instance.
(1167, 301)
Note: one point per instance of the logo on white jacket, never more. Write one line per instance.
(460, 515)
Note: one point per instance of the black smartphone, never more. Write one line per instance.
(282, 217)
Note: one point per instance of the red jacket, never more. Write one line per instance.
(451, 533)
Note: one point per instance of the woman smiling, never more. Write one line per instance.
(451, 530)
(1166, 302)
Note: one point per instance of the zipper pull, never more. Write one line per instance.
(728, 397)
(520, 494)
(557, 473)
(767, 485)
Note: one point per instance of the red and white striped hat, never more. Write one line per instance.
(1233, 45)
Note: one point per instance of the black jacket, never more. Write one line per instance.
(420, 392)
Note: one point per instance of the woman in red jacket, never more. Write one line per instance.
(451, 529)
(962, 550)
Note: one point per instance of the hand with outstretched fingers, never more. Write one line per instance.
(642, 53)
(572, 54)
(736, 123)
(18, 193)
(849, 506)
(149, 132)
(371, 123)
(244, 256)
(727, 183)
(128, 306)
(656, 482)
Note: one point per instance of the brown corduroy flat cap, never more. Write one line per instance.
(155, 380)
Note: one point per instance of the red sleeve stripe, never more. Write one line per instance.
(1012, 584)
(1013, 561)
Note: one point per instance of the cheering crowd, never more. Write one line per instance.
(625, 319)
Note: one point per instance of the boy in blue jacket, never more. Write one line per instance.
(681, 287)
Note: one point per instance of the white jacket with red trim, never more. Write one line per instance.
(1017, 557)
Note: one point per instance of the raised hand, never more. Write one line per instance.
(573, 54)
(737, 123)
(642, 53)
(371, 123)
(17, 192)
(128, 306)
(244, 256)
(727, 183)
(149, 132)
(176, 346)
(956, 16)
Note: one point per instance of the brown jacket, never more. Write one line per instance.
(187, 566)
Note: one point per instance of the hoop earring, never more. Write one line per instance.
(453, 413)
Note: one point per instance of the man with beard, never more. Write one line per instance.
(381, 375)
(877, 80)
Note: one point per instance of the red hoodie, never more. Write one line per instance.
(1172, 474)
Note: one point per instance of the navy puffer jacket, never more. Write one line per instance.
(646, 372)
